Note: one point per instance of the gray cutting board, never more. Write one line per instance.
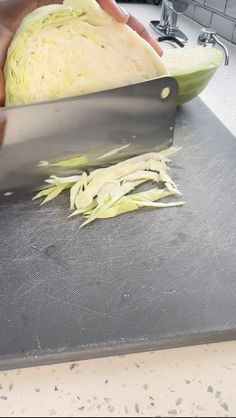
(144, 281)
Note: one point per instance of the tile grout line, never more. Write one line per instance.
(213, 12)
(217, 12)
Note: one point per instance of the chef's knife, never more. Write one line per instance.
(117, 123)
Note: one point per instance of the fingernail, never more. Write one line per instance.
(124, 12)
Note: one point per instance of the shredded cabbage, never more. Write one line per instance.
(107, 192)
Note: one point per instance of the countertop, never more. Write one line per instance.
(194, 381)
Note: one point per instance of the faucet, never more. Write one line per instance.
(167, 25)
(209, 37)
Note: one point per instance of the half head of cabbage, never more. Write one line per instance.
(74, 49)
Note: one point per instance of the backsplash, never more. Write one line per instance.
(217, 14)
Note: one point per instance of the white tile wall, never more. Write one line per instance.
(223, 26)
(217, 14)
(202, 16)
(216, 5)
(234, 36)
(231, 8)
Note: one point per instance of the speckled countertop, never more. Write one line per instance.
(196, 381)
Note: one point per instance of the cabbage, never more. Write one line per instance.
(74, 49)
(192, 67)
(105, 192)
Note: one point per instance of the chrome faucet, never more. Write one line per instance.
(209, 37)
(167, 25)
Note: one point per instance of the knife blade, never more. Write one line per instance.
(117, 123)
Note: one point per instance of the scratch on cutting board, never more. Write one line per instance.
(29, 290)
(64, 302)
(39, 345)
(48, 251)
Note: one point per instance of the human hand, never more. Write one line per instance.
(12, 13)
(122, 16)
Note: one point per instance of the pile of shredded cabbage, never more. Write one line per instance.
(109, 192)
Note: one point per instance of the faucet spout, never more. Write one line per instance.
(226, 51)
(208, 37)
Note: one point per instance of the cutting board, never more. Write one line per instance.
(144, 281)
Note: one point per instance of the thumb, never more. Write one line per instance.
(2, 88)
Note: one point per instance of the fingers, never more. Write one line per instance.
(120, 15)
(5, 40)
(111, 7)
(2, 128)
(142, 31)
(2, 89)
